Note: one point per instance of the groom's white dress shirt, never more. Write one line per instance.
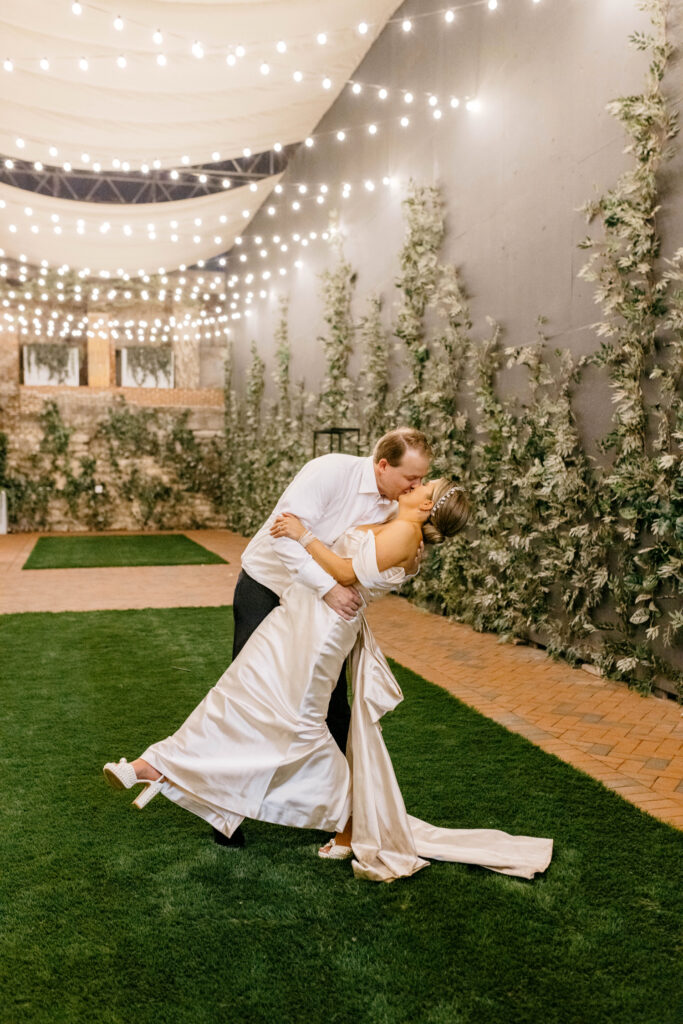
(329, 495)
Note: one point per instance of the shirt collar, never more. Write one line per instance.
(368, 483)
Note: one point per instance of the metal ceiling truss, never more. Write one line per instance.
(156, 186)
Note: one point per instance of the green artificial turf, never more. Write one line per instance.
(145, 549)
(115, 916)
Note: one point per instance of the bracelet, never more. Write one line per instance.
(306, 538)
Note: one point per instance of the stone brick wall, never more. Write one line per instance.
(82, 409)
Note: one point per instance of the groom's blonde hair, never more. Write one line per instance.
(394, 445)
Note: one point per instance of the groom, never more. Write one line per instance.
(330, 495)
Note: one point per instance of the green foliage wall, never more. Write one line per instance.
(585, 556)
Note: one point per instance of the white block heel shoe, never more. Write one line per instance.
(333, 851)
(122, 776)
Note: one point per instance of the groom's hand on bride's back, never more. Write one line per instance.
(345, 601)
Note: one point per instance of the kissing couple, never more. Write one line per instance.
(275, 739)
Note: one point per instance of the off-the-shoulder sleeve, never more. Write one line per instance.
(367, 572)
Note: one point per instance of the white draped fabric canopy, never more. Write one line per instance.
(193, 106)
(125, 237)
(166, 84)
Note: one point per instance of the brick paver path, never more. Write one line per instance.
(632, 744)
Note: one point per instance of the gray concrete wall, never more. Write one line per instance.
(513, 175)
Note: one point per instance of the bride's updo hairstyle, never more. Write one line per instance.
(450, 513)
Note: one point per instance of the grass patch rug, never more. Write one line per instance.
(145, 549)
(113, 916)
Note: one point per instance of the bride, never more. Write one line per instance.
(258, 745)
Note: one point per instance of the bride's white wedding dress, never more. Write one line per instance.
(257, 746)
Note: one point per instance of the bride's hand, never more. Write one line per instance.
(287, 525)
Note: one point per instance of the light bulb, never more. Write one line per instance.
(20, 143)
(121, 61)
(240, 51)
(281, 47)
(253, 187)
(433, 101)
(455, 102)
(265, 68)
(7, 64)
(231, 59)
(278, 189)
(372, 129)
(296, 205)
(406, 25)
(118, 23)
(383, 93)
(363, 28)
(83, 64)
(271, 211)
(341, 136)
(226, 183)
(449, 17)
(308, 142)
(297, 76)
(161, 60)
(321, 38)
(408, 97)
(436, 115)
(197, 50)
(85, 157)
(473, 105)
(174, 175)
(76, 8)
(53, 151)
(246, 151)
(277, 146)
(493, 4)
(405, 121)
(303, 190)
(44, 64)
(185, 159)
(356, 88)
(215, 156)
(370, 186)
(158, 37)
(327, 83)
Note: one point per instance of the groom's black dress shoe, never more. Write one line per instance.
(236, 840)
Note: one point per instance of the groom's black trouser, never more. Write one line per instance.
(251, 604)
